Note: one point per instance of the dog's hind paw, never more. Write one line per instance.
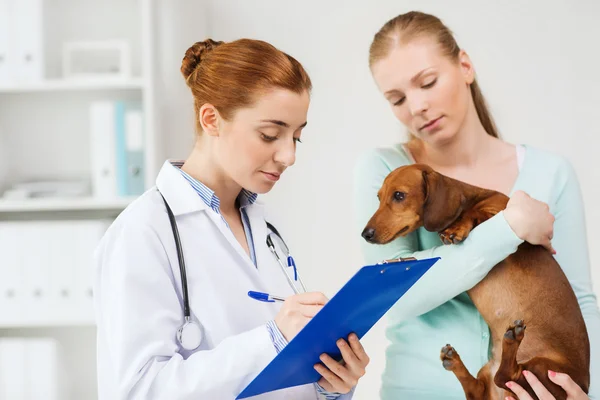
(516, 331)
(450, 358)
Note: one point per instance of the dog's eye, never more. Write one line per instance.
(399, 196)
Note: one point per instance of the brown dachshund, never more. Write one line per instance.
(527, 287)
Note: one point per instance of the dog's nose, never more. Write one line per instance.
(368, 234)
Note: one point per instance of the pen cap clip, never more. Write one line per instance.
(260, 296)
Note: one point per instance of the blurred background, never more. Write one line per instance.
(92, 103)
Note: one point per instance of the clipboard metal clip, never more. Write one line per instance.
(394, 260)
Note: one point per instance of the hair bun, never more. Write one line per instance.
(195, 54)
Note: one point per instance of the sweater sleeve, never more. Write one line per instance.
(461, 266)
(570, 243)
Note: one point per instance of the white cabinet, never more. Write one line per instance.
(45, 137)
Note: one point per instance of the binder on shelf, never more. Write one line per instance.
(62, 269)
(12, 286)
(117, 149)
(5, 41)
(27, 38)
(129, 149)
(45, 375)
(102, 150)
(31, 369)
(89, 233)
(36, 271)
(13, 369)
(134, 146)
(43, 286)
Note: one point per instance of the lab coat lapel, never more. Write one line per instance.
(183, 199)
(179, 194)
(256, 217)
(226, 231)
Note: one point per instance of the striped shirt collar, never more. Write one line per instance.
(209, 197)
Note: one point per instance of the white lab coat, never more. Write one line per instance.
(138, 301)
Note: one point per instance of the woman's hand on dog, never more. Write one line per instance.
(530, 219)
(574, 392)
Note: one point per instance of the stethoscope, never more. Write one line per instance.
(190, 335)
(273, 237)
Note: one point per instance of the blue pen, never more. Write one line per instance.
(267, 298)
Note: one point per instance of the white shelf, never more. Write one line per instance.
(59, 85)
(82, 317)
(75, 204)
(47, 322)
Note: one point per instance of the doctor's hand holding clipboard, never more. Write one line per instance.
(173, 272)
(296, 312)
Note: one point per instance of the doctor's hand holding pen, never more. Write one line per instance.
(339, 377)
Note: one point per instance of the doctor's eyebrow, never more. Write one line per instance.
(281, 123)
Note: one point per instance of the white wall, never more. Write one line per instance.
(537, 63)
(179, 25)
(3, 158)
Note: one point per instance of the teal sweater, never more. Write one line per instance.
(437, 310)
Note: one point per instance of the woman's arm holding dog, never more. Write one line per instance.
(461, 266)
(570, 242)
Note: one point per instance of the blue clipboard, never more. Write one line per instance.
(356, 307)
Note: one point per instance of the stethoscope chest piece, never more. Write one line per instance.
(190, 335)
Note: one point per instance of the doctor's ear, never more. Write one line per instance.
(209, 117)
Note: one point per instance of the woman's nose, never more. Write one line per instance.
(417, 105)
(286, 154)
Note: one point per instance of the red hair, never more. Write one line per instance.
(232, 75)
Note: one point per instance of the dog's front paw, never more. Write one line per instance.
(450, 358)
(454, 234)
(516, 331)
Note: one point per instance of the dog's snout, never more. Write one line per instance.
(368, 234)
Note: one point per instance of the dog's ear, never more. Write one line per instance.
(443, 201)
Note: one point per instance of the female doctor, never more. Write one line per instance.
(200, 235)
